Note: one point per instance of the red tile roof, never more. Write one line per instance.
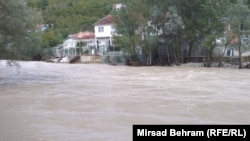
(105, 21)
(82, 35)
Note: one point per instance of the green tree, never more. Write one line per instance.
(213, 11)
(17, 22)
(50, 39)
(149, 40)
(42, 4)
(191, 14)
(239, 19)
(128, 22)
(168, 27)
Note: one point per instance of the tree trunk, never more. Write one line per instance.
(176, 58)
(167, 50)
(221, 57)
(209, 63)
(160, 56)
(189, 52)
(149, 59)
(208, 59)
(239, 46)
(178, 39)
(240, 61)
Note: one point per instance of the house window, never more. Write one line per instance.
(101, 29)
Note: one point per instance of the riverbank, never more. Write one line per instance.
(246, 65)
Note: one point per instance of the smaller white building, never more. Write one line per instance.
(76, 44)
(118, 6)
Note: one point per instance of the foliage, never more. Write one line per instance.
(161, 28)
(173, 23)
(239, 15)
(50, 39)
(214, 27)
(143, 24)
(17, 21)
(169, 25)
(65, 17)
(192, 14)
(127, 23)
(42, 4)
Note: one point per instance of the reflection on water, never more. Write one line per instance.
(75, 102)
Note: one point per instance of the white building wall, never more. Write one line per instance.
(118, 6)
(69, 43)
(107, 32)
(105, 37)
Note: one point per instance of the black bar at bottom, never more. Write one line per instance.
(191, 132)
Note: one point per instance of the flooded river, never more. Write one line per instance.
(96, 102)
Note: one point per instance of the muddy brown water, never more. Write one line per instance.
(92, 102)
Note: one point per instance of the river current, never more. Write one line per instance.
(91, 102)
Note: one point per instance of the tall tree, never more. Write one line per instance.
(128, 23)
(148, 31)
(16, 23)
(239, 19)
(213, 11)
(168, 25)
(191, 13)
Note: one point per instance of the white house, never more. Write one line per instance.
(104, 31)
(118, 6)
(75, 44)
